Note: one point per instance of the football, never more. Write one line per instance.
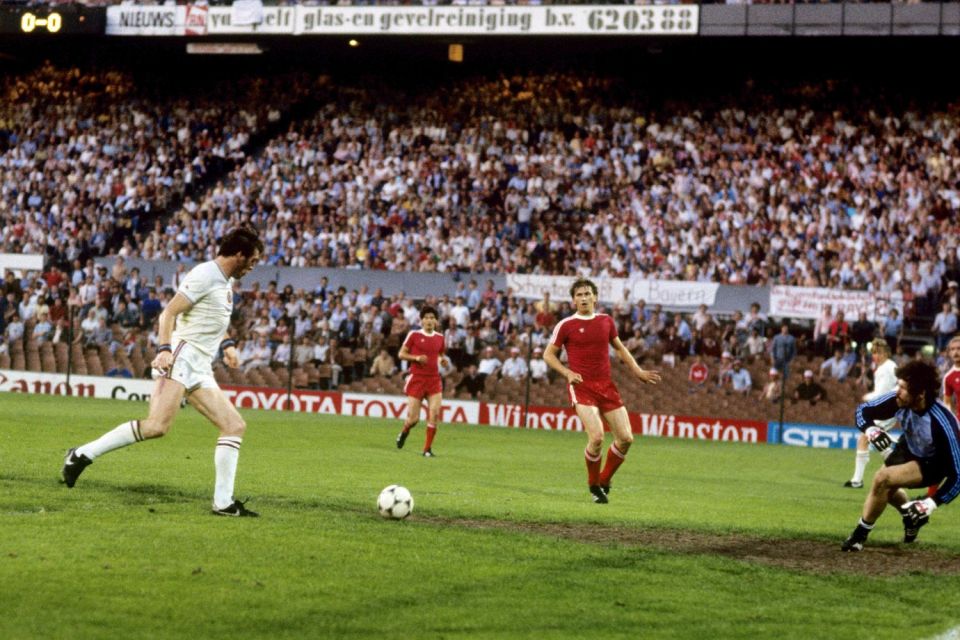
(395, 502)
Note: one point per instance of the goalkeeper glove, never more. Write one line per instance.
(879, 438)
(917, 513)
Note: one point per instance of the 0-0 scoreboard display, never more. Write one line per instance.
(50, 21)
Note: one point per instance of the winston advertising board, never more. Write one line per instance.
(452, 411)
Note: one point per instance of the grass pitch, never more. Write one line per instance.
(712, 540)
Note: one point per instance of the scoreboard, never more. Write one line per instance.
(50, 21)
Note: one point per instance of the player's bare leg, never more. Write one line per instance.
(214, 406)
(413, 416)
(164, 405)
(619, 422)
(433, 417)
(593, 425)
(885, 489)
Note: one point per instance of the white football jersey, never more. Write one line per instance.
(884, 381)
(205, 324)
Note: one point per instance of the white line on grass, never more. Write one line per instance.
(951, 634)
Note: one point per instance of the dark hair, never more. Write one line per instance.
(583, 282)
(243, 240)
(428, 310)
(921, 377)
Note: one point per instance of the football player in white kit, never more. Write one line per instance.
(192, 329)
(884, 381)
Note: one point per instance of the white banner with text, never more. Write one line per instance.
(669, 293)
(808, 302)
(599, 20)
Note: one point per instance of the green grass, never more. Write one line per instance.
(133, 552)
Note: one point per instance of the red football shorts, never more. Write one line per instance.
(421, 387)
(601, 394)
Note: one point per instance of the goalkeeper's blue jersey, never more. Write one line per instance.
(934, 433)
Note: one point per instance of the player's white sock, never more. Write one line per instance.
(225, 457)
(863, 457)
(126, 434)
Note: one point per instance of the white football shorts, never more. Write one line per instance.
(192, 368)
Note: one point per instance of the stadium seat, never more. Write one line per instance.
(322, 376)
(94, 366)
(300, 379)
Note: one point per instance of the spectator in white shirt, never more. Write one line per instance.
(756, 345)
(944, 326)
(281, 355)
(538, 368)
(43, 330)
(460, 312)
(489, 363)
(260, 354)
(740, 380)
(89, 325)
(821, 329)
(836, 367)
(88, 291)
(14, 330)
(514, 367)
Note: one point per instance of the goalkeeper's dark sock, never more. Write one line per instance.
(431, 432)
(614, 459)
(863, 529)
(593, 467)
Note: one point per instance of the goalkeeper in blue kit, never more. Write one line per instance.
(927, 454)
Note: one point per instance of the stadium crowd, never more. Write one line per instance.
(89, 159)
(563, 174)
(550, 173)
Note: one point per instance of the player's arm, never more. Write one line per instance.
(409, 357)
(649, 377)
(946, 440)
(166, 322)
(550, 356)
(442, 356)
(231, 357)
(882, 408)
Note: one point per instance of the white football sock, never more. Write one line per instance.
(863, 457)
(126, 434)
(225, 457)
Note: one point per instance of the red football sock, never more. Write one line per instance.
(614, 460)
(593, 468)
(431, 431)
(932, 490)
(407, 427)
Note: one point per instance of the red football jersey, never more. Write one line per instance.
(587, 343)
(951, 386)
(431, 345)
